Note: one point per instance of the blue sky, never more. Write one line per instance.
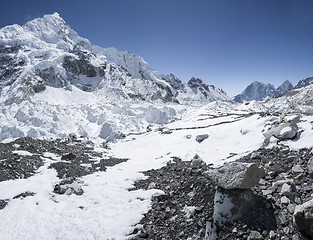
(226, 43)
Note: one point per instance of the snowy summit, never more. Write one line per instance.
(45, 64)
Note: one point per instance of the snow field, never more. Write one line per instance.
(106, 210)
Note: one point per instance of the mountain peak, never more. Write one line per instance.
(48, 53)
(259, 91)
(304, 82)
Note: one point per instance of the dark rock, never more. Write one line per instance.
(200, 138)
(24, 195)
(3, 203)
(242, 206)
(196, 162)
(69, 156)
(303, 218)
(68, 187)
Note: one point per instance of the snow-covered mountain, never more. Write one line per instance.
(304, 82)
(296, 100)
(54, 82)
(259, 91)
(285, 87)
(47, 52)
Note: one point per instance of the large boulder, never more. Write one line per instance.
(303, 218)
(197, 162)
(200, 138)
(286, 131)
(241, 206)
(236, 175)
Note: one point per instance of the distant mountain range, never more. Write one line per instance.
(260, 91)
(46, 52)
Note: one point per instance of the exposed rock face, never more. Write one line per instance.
(303, 218)
(236, 175)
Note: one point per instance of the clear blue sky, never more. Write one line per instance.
(227, 43)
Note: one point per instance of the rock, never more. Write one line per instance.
(196, 162)
(267, 192)
(255, 235)
(284, 200)
(159, 196)
(210, 231)
(286, 131)
(3, 203)
(188, 136)
(243, 206)
(236, 175)
(291, 208)
(255, 155)
(303, 218)
(282, 131)
(68, 188)
(283, 218)
(200, 138)
(68, 191)
(151, 186)
(166, 131)
(272, 234)
(310, 167)
(297, 169)
(24, 195)
(286, 190)
(69, 156)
